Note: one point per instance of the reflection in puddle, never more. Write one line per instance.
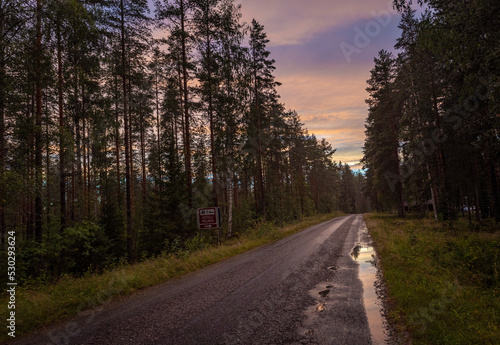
(320, 307)
(364, 256)
(355, 251)
(312, 313)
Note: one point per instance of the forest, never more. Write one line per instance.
(439, 96)
(119, 118)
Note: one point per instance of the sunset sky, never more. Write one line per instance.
(324, 52)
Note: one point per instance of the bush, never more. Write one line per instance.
(31, 263)
(81, 248)
(195, 243)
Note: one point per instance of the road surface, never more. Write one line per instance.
(303, 289)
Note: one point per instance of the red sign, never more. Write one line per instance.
(208, 218)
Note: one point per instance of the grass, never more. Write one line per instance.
(41, 306)
(443, 285)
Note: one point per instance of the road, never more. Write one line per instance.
(303, 289)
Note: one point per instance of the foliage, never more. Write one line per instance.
(81, 247)
(439, 97)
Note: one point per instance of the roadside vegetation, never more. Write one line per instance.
(39, 304)
(442, 282)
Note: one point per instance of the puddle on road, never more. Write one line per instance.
(364, 255)
(324, 293)
(320, 294)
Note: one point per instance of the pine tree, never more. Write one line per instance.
(444, 91)
(130, 21)
(207, 20)
(229, 103)
(382, 144)
(178, 13)
(263, 97)
(12, 17)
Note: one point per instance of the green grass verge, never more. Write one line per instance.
(44, 305)
(442, 282)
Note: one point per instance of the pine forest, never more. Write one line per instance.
(119, 118)
(438, 94)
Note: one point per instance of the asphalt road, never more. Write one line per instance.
(303, 289)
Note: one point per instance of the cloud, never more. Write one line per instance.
(290, 22)
(332, 108)
(312, 91)
(340, 47)
(348, 155)
(322, 82)
(331, 105)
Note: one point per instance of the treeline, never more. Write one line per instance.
(434, 113)
(111, 137)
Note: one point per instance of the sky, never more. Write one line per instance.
(324, 52)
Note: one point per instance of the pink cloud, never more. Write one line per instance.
(331, 105)
(319, 83)
(296, 21)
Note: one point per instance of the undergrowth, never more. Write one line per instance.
(442, 281)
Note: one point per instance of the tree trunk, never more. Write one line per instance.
(47, 162)
(38, 126)
(84, 155)
(496, 191)
(442, 171)
(433, 193)
(73, 192)
(117, 142)
(260, 196)
(62, 177)
(476, 180)
(131, 149)
(78, 183)
(158, 186)
(477, 208)
(2, 125)
(187, 143)
(399, 189)
(210, 110)
(461, 202)
(181, 107)
(143, 157)
(30, 177)
(467, 202)
(230, 203)
(235, 191)
(130, 229)
(89, 197)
